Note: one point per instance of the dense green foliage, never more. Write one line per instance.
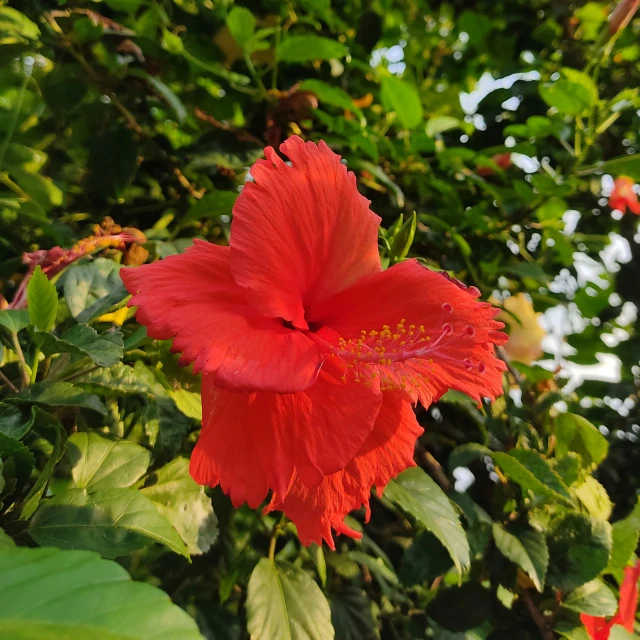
(149, 112)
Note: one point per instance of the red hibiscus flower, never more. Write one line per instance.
(312, 354)
(624, 196)
(599, 628)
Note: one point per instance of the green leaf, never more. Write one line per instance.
(461, 608)
(39, 188)
(594, 498)
(42, 301)
(330, 94)
(309, 47)
(106, 604)
(284, 602)
(90, 289)
(21, 459)
(416, 493)
(625, 535)
(351, 614)
(82, 340)
(113, 522)
(376, 566)
(189, 403)
(184, 503)
(440, 124)
(14, 24)
(402, 97)
(525, 547)
(121, 379)
(577, 434)
(620, 633)
(624, 166)
(15, 422)
(579, 549)
(593, 598)
(212, 205)
(242, 25)
(47, 424)
(582, 79)
(59, 394)
(533, 473)
(6, 542)
(100, 463)
(14, 320)
(464, 454)
(567, 97)
(164, 92)
(424, 560)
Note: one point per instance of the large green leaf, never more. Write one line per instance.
(593, 598)
(15, 421)
(185, 505)
(576, 434)
(6, 541)
(82, 340)
(284, 602)
(351, 615)
(525, 547)
(533, 473)
(90, 289)
(567, 97)
(100, 463)
(59, 394)
(75, 595)
(579, 549)
(402, 97)
(42, 299)
(113, 522)
(625, 535)
(416, 493)
(309, 47)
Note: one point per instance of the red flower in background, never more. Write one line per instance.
(599, 628)
(502, 160)
(311, 353)
(624, 196)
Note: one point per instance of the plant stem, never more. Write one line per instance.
(34, 367)
(272, 546)
(8, 383)
(536, 616)
(24, 369)
(256, 76)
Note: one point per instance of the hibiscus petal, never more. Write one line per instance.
(301, 233)
(194, 298)
(253, 442)
(387, 451)
(417, 330)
